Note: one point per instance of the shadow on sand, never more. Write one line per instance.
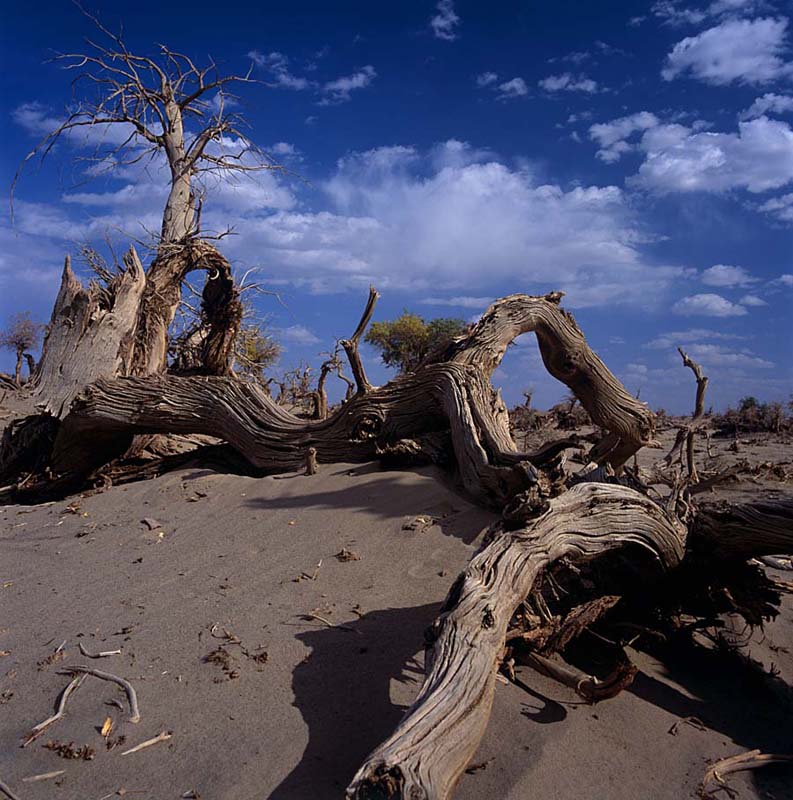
(343, 691)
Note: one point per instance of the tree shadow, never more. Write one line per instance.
(730, 696)
(390, 495)
(342, 690)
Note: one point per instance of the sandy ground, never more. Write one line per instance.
(243, 554)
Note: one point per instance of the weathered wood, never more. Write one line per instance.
(567, 356)
(90, 336)
(743, 530)
(351, 345)
(433, 743)
(686, 434)
(221, 308)
(454, 395)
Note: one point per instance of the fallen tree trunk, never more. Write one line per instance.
(453, 395)
(433, 743)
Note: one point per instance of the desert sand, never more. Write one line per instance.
(243, 564)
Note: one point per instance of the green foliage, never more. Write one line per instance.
(256, 350)
(406, 341)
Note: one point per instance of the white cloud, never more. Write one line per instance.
(463, 301)
(785, 280)
(758, 157)
(669, 341)
(707, 305)
(338, 91)
(403, 219)
(282, 149)
(752, 300)
(37, 120)
(296, 334)
(670, 13)
(486, 79)
(769, 103)
(453, 222)
(714, 355)
(277, 64)
(568, 83)
(611, 135)
(735, 51)
(514, 88)
(445, 22)
(726, 276)
(780, 207)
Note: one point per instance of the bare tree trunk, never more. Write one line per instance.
(222, 308)
(18, 368)
(31, 362)
(90, 335)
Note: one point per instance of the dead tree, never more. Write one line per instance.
(580, 531)
(151, 100)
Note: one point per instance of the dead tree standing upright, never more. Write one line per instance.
(156, 102)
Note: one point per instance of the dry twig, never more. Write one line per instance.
(106, 676)
(160, 737)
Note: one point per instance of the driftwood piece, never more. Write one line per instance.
(134, 710)
(37, 730)
(566, 355)
(753, 759)
(433, 743)
(686, 434)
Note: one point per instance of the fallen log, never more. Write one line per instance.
(433, 743)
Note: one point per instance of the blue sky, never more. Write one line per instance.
(638, 156)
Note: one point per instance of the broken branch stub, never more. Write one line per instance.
(351, 345)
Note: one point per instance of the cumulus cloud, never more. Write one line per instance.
(505, 90)
(670, 12)
(735, 51)
(726, 276)
(515, 88)
(707, 305)
(611, 136)
(453, 221)
(331, 92)
(714, 355)
(486, 79)
(566, 82)
(780, 207)
(769, 103)
(338, 91)
(759, 157)
(752, 300)
(445, 22)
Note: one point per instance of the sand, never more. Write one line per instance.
(241, 554)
